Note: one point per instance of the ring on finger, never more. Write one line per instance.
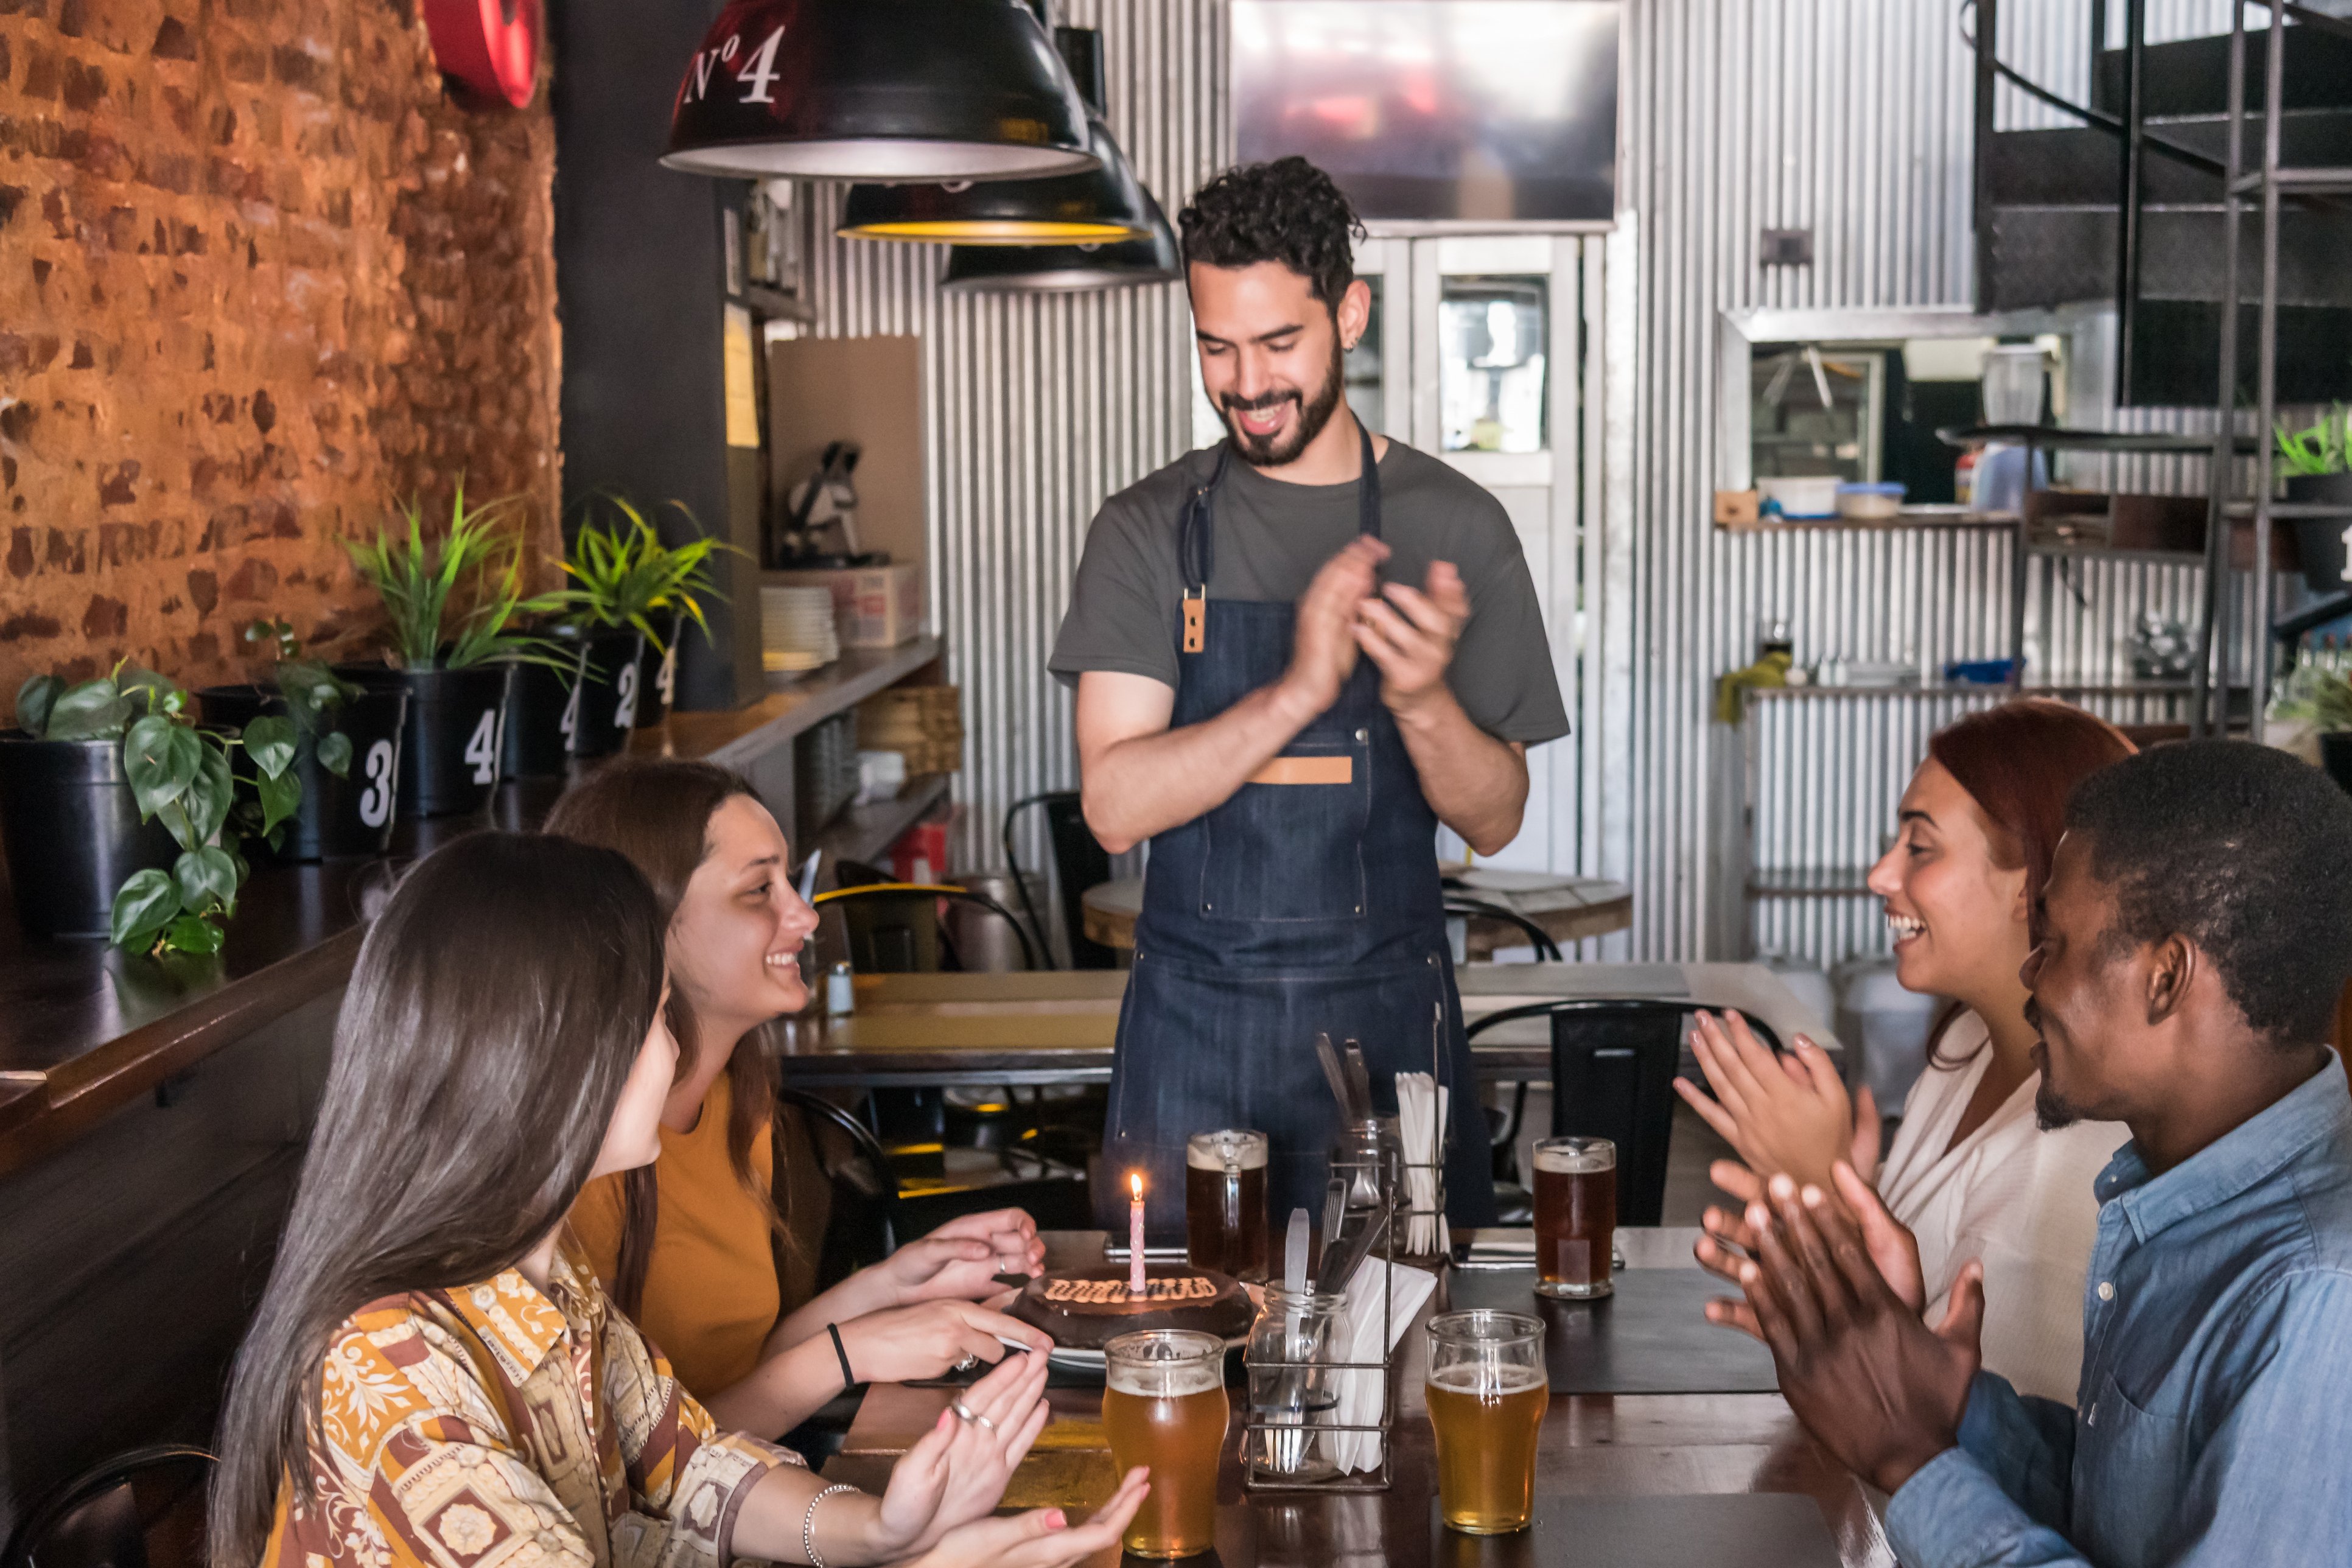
(969, 1362)
(964, 1412)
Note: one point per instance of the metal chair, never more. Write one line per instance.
(898, 932)
(1080, 862)
(1614, 1061)
(143, 1509)
(1547, 950)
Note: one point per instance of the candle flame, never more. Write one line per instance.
(1135, 1184)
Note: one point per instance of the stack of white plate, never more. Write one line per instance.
(796, 629)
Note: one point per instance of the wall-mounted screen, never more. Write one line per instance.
(1452, 112)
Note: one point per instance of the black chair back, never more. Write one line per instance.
(862, 1225)
(144, 1508)
(1080, 862)
(1547, 950)
(893, 928)
(1614, 1061)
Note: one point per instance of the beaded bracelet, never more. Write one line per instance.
(808, 1523)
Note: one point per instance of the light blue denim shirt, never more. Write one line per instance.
(2214, 1418)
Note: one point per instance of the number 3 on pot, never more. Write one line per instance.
(482, 750)
(375, 801)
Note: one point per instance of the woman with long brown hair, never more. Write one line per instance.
(434, 1377)
(689, 1244)
(1970, 1172)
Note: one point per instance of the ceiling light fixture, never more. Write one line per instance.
(878, 89)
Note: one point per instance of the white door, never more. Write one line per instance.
(1489, 357)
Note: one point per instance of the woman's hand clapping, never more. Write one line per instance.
(962, 1258)
(903, 1344)
(1042, 1538)
(957, 1472)
(1786, 1114)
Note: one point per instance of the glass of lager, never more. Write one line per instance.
(1224, 1202)
(1487, 1392)
(1576, 1216)
(1164, 1407)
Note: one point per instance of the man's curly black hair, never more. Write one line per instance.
(2244, 850)
(1287, 211)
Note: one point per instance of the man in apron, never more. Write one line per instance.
(1266, 695)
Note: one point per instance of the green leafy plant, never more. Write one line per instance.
(453, 599)
(181, 775)
(314, 693)
(626, 575)
(2325, 449)
(2316, 696)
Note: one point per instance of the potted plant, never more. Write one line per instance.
(624, 576)
(454, 602)
(338, 725)
(180, 780)
(2321, 698)
(2319, 467)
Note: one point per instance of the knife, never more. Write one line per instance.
(1332, 1073)
(1360, 1082)
(1339, 1264)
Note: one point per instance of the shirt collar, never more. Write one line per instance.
(522, 1324)
(2314, 1111)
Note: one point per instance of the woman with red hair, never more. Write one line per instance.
(1970, 1172)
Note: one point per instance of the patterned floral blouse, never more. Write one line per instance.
(495, 1426)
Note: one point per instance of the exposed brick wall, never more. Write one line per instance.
(258, 273)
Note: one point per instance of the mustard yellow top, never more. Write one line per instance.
(711, 1295)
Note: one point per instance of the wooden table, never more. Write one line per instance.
(1587, 906)
(1621, 1446)
(1059, 1026)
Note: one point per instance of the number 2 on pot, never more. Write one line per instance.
(482, 751)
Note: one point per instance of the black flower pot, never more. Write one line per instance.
(347, 818)
(449, 743)
(2320, 539)
(657, 672)
(587, 710)
(72, 832)
(2335, 757)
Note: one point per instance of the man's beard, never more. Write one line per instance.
(2052, 1110)
(1273, 452)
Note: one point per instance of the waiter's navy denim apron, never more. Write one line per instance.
(1305, 906)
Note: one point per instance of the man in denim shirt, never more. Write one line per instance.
(2195, 935)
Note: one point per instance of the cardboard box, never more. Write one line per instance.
(873, 607)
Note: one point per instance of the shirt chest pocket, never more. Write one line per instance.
(1293, 848)
(2131, 1471)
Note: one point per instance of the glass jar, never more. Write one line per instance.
(1293, 1388)
(1371, 1156)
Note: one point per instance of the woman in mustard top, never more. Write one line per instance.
(687, 1245)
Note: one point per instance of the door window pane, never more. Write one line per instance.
(1491, 369)
(1362, 370)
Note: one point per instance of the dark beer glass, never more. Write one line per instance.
(1576, 1216)
(1224, 1202)
(1164, 1405)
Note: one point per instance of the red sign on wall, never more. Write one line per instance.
(492, 45)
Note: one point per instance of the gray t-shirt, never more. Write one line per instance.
(1272, 537)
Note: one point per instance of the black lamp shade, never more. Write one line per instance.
(1067, 269)
(1099, 207)
(878, 89)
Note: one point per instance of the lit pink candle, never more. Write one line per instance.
(1135, 1235)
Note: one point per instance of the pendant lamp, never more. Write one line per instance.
(1094, 207)
(878, 89)
(1067, 269)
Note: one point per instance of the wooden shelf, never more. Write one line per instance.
(864, 832)
(737, 737)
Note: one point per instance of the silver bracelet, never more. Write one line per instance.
(808, 1523)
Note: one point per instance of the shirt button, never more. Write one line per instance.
(2107, 1291)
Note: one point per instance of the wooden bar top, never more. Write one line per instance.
(1671, 1445)
(85, 1029)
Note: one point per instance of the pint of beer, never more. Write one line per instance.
(1487, 1391)
(1576, 1216)
(1164, 1407)
(1224, 1202)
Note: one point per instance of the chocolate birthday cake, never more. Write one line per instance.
(1083, 1309)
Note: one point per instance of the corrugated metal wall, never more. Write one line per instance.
(1847, 117)
(1036, 407)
